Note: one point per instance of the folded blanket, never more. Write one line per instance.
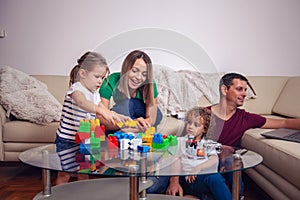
(26, 98)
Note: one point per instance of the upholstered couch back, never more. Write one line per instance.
(275, 94)
(57, 85)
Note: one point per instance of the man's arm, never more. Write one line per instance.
(282, 123)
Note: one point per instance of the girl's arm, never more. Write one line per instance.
(89, 106)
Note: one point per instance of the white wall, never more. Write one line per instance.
(258, 37)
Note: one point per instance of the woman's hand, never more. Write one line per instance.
(143, 124)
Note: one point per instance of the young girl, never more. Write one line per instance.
(82, 101)
(193, 162)
(133, 91)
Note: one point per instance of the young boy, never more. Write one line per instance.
(195, 158)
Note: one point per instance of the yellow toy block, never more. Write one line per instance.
(120, 124)
(150, 131)
(130, 123)
(94, 124)
(147, 138)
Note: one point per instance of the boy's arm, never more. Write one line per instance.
(211, 162)
(174, 187)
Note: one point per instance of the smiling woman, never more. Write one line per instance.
(133, 91)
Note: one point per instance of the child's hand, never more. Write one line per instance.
(108, 115)
(121, 118)
(190, 179)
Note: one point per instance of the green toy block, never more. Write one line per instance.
(85, 126)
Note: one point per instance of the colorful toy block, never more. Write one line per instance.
(128, 123)
(150, 131)
(84, 126)
(89, 138)
(143, 149)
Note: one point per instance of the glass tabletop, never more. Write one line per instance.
(116, 162)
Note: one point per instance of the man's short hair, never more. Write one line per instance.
(227, 80)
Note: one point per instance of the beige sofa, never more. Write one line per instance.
(277, 97)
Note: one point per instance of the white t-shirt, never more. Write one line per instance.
(189, 161)
(72, 114)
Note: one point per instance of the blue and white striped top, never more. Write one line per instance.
(72, 114)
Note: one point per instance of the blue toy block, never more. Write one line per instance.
(157, 138)
(143, 149)
(84, 149)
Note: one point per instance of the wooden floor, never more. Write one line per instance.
(22, 182)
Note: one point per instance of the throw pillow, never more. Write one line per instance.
(26, 98)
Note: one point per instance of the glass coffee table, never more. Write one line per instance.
(124, 172)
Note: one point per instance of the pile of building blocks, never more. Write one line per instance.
(142, 142)
(91, 134)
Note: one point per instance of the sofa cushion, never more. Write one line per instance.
(287, 103)
(170, 126)
(22, 131)
(267, 90)
(281, 156)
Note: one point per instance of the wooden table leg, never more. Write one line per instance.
(133, 183)
(236, 179)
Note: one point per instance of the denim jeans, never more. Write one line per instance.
(135, 108)
(207, 186)
(159, 186)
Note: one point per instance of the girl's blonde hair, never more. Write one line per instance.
(147, 87)
(87, 61)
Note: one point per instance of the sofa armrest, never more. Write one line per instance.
(2, 115)
(2, 121)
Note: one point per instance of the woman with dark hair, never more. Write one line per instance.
(134, 92)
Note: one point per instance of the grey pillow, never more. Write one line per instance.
(26, 98)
